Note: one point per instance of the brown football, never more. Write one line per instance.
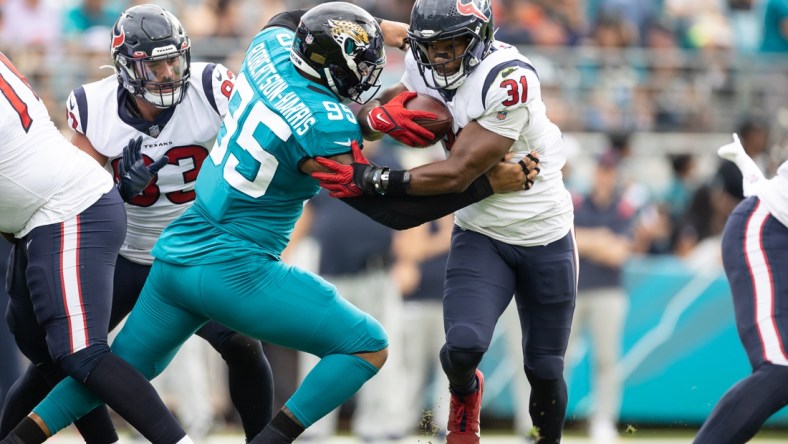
(440, 126)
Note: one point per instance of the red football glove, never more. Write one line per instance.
(397, 121)
(344, 180)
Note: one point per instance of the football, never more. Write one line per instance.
(440, 126)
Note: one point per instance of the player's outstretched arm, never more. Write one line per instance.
(404, 212)
(475, 152)
(395, 34)
(356, 181)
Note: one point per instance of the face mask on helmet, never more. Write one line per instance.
(449, 39)
(151, 52)
(445, 63)
(161, 79)
(341, 44)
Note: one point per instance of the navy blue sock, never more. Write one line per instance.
(251, 382)
(125, 390)
(548, 407)
(96, 427)
(26, 432)
(281, 430)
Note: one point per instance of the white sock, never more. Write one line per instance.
(751, 174)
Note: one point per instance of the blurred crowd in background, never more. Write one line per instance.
(651, 86)
(654, 65)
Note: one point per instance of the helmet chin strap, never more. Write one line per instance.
(451, 82)
(163, 101)
(302, 65)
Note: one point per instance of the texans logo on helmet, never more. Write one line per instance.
(470, 8)
(118, 40)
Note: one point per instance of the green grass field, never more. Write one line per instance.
(650, 436)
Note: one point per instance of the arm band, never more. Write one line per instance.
(379, 181)
(401, 212)
(398, 182)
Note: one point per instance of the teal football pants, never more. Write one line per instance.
(254, 295)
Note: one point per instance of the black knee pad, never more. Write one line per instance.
(458, 364)
(241, 350)
(545, 367)
(464, 337)
(79, 365)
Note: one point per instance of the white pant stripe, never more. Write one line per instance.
(761, 275)
(71, 286)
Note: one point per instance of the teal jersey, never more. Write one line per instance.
(250, 191)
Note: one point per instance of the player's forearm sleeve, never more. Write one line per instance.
(403, 212)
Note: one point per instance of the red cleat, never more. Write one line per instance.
(463, 427)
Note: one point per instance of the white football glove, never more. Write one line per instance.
(751, 174)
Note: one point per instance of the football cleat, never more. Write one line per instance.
(463, 427)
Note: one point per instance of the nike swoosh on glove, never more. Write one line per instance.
(397, 121)
(343, 180)
(134, 174)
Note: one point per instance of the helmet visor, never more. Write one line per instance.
(163, 78)
(161, 73)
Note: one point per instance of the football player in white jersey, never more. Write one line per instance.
(517, 243)
(172, 109)
(755, 256)
(66, 220)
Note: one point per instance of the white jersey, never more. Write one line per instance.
(184, 133)
(44, 179)
(774, 194)
(503, 94)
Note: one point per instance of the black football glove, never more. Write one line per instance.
(134, 174)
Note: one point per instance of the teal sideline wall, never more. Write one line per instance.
(681, 351)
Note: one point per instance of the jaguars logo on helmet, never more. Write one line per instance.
(344, 31)
(341, 45)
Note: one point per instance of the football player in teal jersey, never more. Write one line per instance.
(221, 259)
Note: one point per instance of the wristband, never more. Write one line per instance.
(480, 188)
(398, 181)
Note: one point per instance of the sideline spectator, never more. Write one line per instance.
(88, 14)
(775, 27)
(603, 227)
